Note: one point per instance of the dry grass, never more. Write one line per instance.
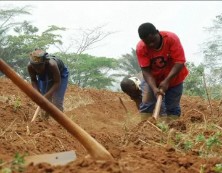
(76, 100)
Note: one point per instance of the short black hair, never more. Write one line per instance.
(125, 83)
(129, 87)
(145, 29)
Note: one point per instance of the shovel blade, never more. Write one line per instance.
(60, 158)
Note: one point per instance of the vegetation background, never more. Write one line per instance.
(19, 38)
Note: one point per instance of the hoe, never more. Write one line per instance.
(95, 149)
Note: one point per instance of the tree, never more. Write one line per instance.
(85, 70)
(89, 71)
(18, 39)
(212, 51)
(24, 41)
(129, 63)
(7, 17)
(194, 84)
(83, 40)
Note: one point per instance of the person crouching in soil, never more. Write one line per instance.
(162, 61)
(49, 76)
(161, 57)
(137, 89)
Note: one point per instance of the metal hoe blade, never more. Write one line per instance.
(60, 158)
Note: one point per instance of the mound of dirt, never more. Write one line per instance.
(113, 120)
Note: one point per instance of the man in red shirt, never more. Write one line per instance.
(162, 60)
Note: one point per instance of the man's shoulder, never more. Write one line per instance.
(55, 59)
(140, 45)
(168, 34)
(52, 59)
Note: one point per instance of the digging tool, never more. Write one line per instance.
(156, 111)
(121, 101)
(35, 114)
(95, 149)
(59, 158)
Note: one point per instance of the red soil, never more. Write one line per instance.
(137, 147)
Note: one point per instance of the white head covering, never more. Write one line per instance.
(136, 81)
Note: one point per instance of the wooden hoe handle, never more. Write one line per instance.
(156, 111)
(95, 149)
(35, 114)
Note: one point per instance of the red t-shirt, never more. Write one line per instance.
(161, 61)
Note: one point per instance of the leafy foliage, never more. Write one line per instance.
(213, 45)
(26, 40)
(129, 63)
(218, 167)
(16, 46)
(85, 70)
(18, 39)
(16, 165)
(89, 71)
(7, 17)
(193, 84)
(212, 58)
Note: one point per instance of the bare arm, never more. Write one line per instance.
(150, 79)
(174, 72)
(136, 98)
(32, 75)
(53, 67)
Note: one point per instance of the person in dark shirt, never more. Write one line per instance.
(49, 76)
